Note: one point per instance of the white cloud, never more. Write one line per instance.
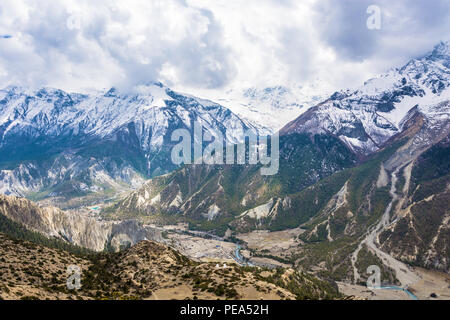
(195, 45)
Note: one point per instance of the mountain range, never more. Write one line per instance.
(348, 165)
(58, 144)
(363, 178)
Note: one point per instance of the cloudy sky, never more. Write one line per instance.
(195, 45)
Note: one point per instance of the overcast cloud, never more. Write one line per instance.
(196, 45)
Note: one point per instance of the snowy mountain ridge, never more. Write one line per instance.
(70, 143)
(366, 117)
(54, 112)
(270, 108)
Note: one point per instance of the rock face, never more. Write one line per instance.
(74, 228)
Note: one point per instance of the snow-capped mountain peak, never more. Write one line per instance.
(366, 117)
(440, 52)
(112, 136)
(270, 108)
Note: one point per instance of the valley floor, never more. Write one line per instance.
(277, 244)
(430, 282)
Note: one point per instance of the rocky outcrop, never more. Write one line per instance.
(74, 228)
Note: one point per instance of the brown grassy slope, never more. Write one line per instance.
(148, 270)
